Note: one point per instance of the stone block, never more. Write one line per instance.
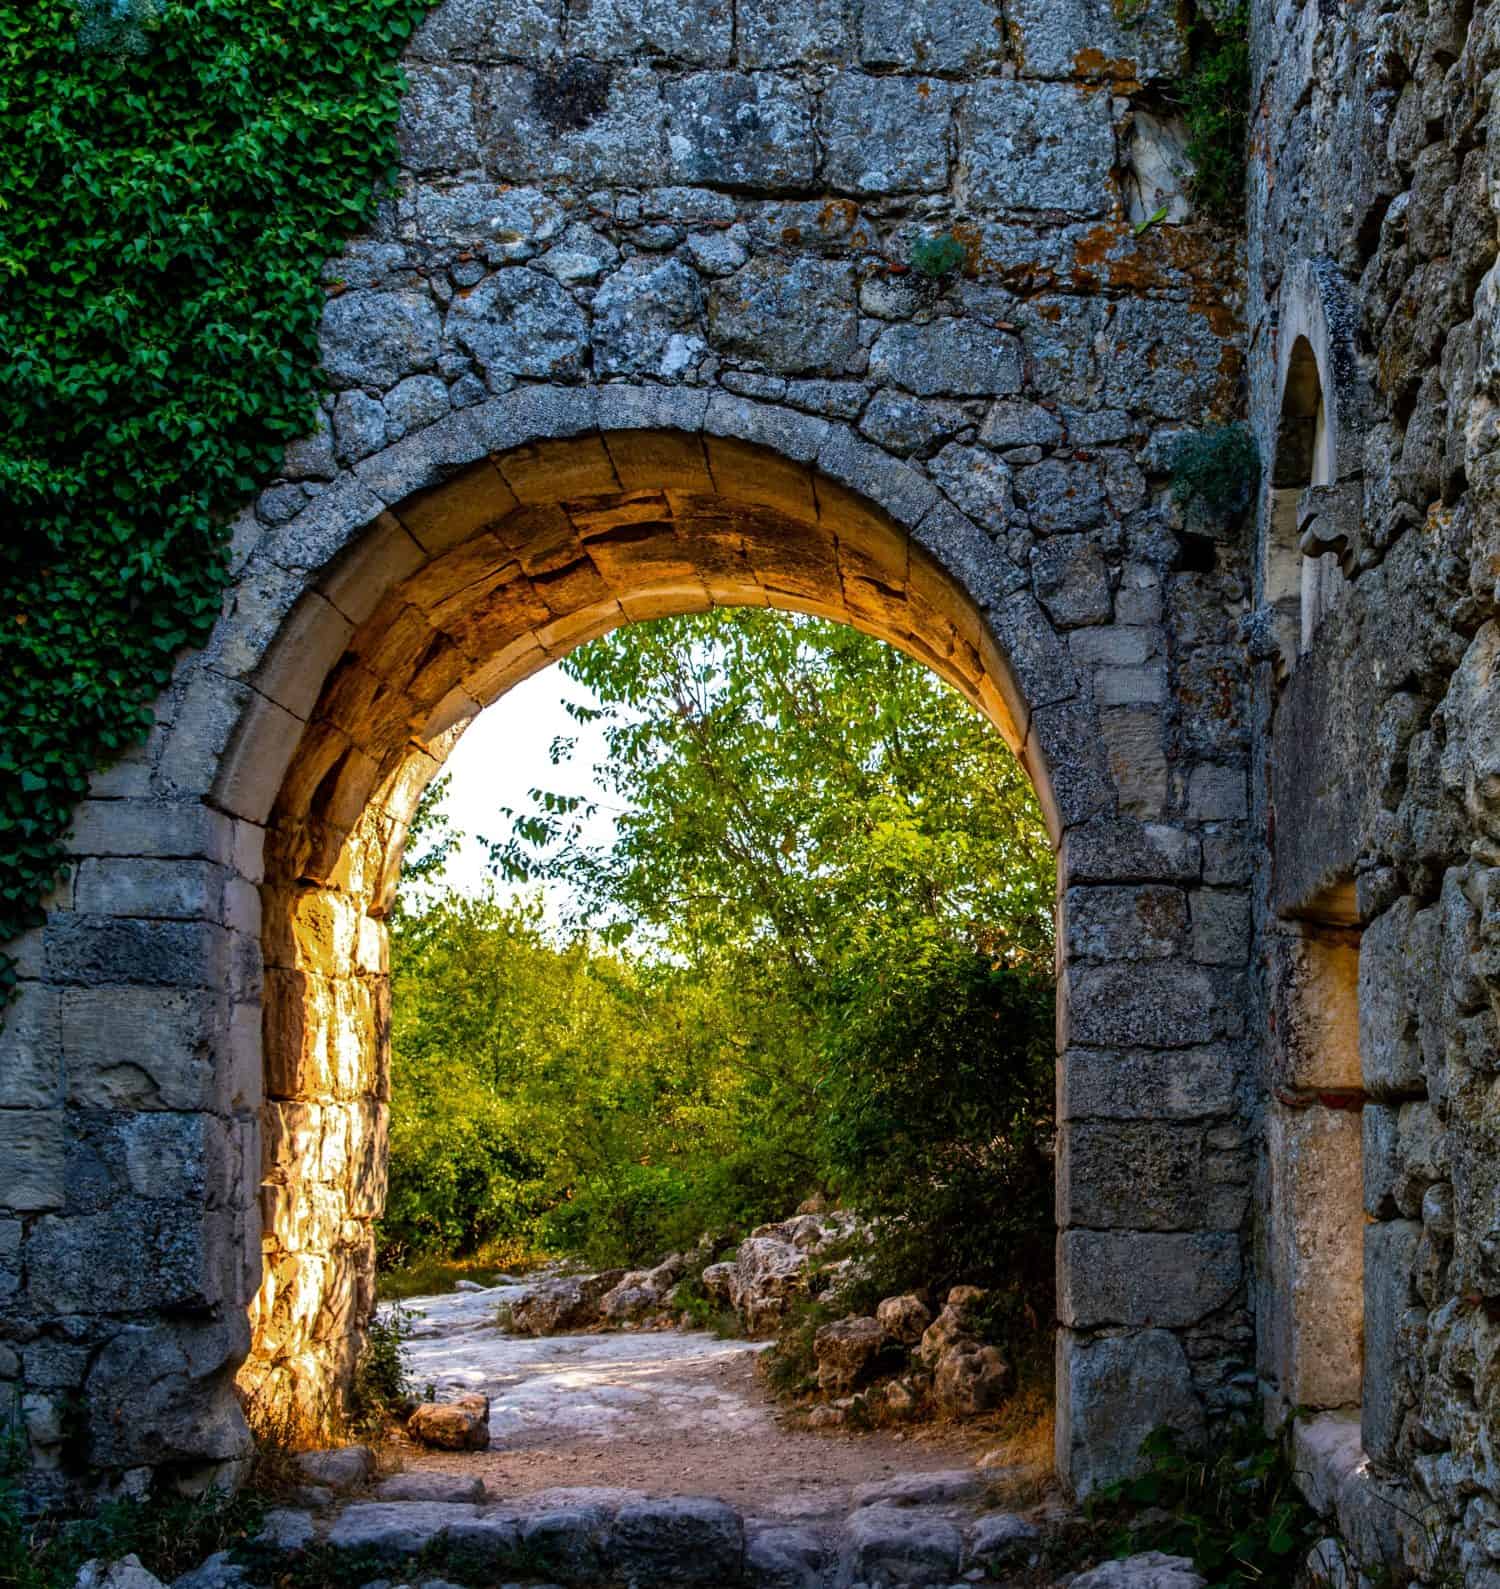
(177, 890)
(648, 320)
(1393, 967)
(1217, 794)
(1137, 756)
(250, 772)
(1145, 685)
(1124, 922)
(376, 338)
(682, 1539)
(797, 315)
(1111, 851)
(1111, 1394)
(1060, 496)
(1063, 739)
(771, 34)
(90, 950)
(438, 128)
(931, 35)
(31, 1049)
(1389, 1257)
(308, 644)
(1150, 1175)
(1314, 1257)
(1313, 981)
(1087, 38)
(490, 30)
(890, 1546)
(1071, 581)
(10, 1259)
(1145, 1279)
(687, 31)
(1037, 146)
(904, 425)
(978, 484)
(32, 1154)
(743, 130)
(1153, 1004)
(948, 356)
(1018, 626)
(886, 134)
(142, 1048)
(519, 322)
(1221, 926)
(1380, 1159)
(137, 1255)
(1144, 1084)
(525, 139)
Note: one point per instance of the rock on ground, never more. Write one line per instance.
(1152, 1570)
(344, 1468)
(127, 1573)
(460, 1425)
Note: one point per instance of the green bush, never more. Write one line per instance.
(1216, 469)
(1216, 107)
(937, 256)
(940, 1117)
(1235, 1509)
(382, 1377)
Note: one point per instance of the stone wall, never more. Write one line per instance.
(1372, 245)
(638, 333)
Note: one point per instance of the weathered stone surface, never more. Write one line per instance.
(490, 30)
(625, 30)
(375, 338)
(1036, 146)
(127, 1573)
(1102, 1414)
(904, 1318)
(847, 1352)
(421, 1486)
(942, 1487)
(971, 1378)
(648, 320)
(1153, 1569)
(977, 483)
(1088, 38)
(887, 1548)
(948, 355)
(342, 1468)
(679, 1540)
(1159, 1004)
(886, 134)
(787, 317)
(1145, 1279)
(1001, 1539)
(531, 132)
(746, 131)
(519, 322)
(932, 35)
(1071, 580)
(1390, 1250)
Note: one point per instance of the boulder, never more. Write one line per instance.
(952, 1325)
(768, 1273)
(127, 1573)
(718, 1281)
(892, 1548)
(641, 1291)
(1152, 1570)
(460, 1425)
(1000, 1539)
(343, 1468)
(847, 1352)
(904, 1319)
(220, 1571)
(902, 1399)
(681, 1539)
(970, 1379)
(565, 1302)
(945, 1487)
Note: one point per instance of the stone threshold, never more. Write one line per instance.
(1375, 1516)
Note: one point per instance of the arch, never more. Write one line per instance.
(1313, 508)
(361, 635)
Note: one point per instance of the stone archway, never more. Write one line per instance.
(244, 895)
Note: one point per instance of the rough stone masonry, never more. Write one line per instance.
(638, 333)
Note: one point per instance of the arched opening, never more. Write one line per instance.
(1302, 577)
(470, 588)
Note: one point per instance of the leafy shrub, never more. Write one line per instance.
(382, 1376)
(1216, 469)
(1235, 1510)
(940, 1117)
(1216, 107)
(937, 256)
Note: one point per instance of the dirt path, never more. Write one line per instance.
(667, 1412)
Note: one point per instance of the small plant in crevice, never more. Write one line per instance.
(1215, 470)
(936, 255)
(1215, 99)
(382, 1387)
(1235, 1509)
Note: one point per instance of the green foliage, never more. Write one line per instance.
(1216, 106)
(1236, 1510)
(937, 256)
(806, 812)
(382, 1377)
(1216, 469)
(176, 175)
(939, 1115)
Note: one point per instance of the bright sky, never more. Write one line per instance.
(504, 754)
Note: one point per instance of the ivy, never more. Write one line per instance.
(176, 174)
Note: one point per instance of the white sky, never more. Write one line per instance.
(504, 754)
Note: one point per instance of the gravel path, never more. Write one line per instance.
(664, 1411)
